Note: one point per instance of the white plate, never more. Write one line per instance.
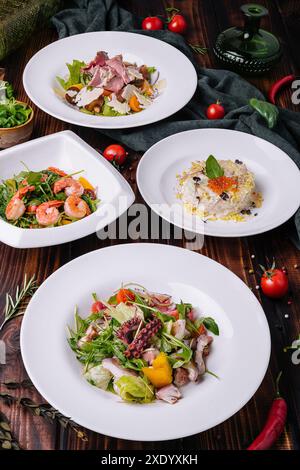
(240, 359)
(173, 66)
(67, 151)
(276, 176)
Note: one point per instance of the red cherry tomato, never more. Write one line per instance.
(97, 307)
(152, 23)
(115, 154)
(174, 314)
(124, 295)
(177, 24)
(32, 209)
(274, 283)
(215, 111)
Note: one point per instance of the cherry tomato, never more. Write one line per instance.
(115, 154)
(174, 314)
(177, 24)
(274, 283)
(152, 23)
(215, 111)
(32, 209)
(97, 307)
(124, 295)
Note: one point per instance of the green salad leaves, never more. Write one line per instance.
(12, 113)
(75, 75)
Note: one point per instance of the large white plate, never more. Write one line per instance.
(276, 175)
(40, 72)
(67, 151)
(240, 359)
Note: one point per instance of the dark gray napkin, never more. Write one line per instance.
(232, 90)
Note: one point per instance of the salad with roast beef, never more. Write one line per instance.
(110, 86)
(142, 345)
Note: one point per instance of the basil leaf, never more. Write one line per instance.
(212, 168)
(211, 325)
(267, 110)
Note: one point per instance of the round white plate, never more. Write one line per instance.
(239, 359)
(276, 175)
(173, 66)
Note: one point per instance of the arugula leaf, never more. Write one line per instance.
(181, 356)
(212, 168)
(183, 309)
(151, 69)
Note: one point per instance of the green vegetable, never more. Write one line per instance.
(123, 312)
(75, 74)
(151, 69)
(209, 324)
(212, 168)
(98, 376)
(180, 356)
(267, 110)
(108, 110)
(13, 114)
(183, 309)
(135, 389)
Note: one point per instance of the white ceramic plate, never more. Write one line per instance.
(276, 176)
(238, 358)
(67, 151)
(173, 66)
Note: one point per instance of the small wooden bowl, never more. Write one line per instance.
(16, 135)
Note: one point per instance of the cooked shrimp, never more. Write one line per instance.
(56, 170)
(16, 207)
(76, 208)
(47, 213)
(69, 185)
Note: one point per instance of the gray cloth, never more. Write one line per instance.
(228, 87)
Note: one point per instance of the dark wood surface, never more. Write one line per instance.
(206, 19)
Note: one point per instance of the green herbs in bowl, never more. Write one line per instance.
(16, 118)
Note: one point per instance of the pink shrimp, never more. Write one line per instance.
(47, 213)
(76, 207)
(69, 185)
(59, 172)
(16, 207)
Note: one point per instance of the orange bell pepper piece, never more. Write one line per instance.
(160, 373)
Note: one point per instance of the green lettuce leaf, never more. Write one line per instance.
(134, 389)
(74, 74)
(98, 376)
(123, 312)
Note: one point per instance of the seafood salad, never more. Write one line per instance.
(110, 86)
(219, 189)
(46, 198)
(141, 345)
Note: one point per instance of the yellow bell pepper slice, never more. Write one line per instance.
(85, 183)
(160, 373)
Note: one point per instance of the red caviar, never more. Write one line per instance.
(222, 183)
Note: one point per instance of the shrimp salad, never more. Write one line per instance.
(47, 198)
(110, 86)
(219, 190)
(142, 345)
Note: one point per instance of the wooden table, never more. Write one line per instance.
(206, 19)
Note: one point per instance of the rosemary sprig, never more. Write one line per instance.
(17, 306)
(7, 440)
(198, 49)
(46, 411)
